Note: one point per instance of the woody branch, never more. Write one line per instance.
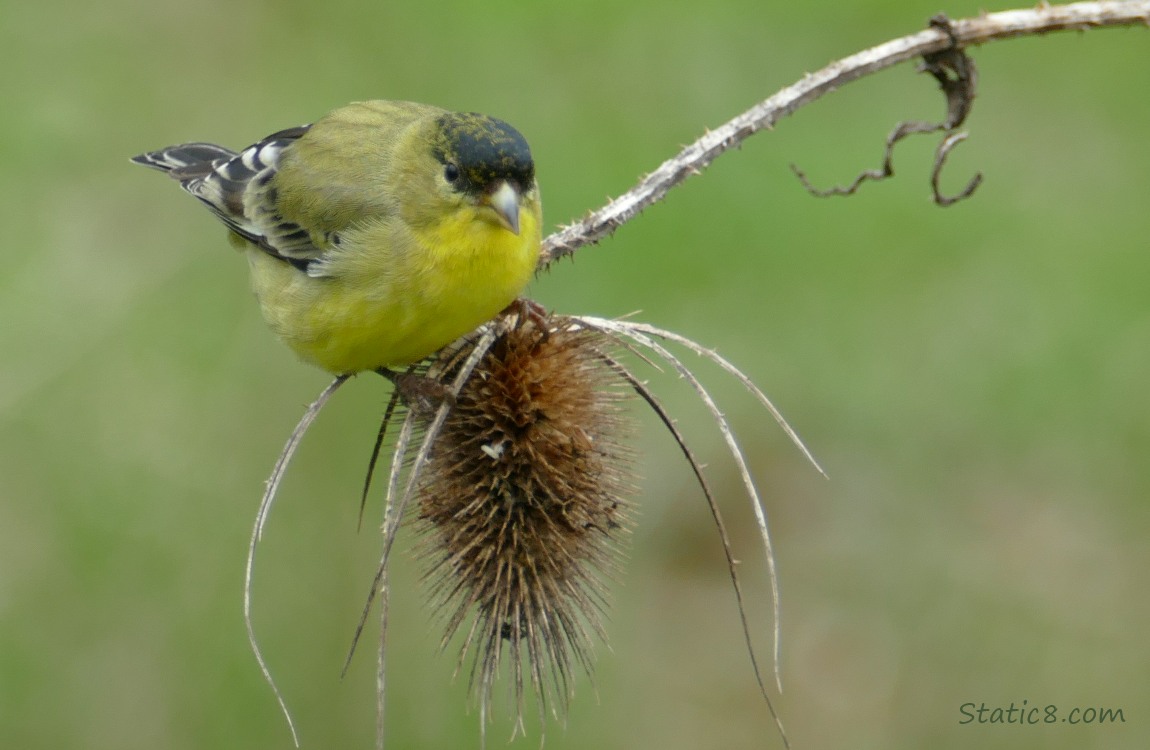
(958, 34)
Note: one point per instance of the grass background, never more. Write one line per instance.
(974, 379)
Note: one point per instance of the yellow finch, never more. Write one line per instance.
(377, 234)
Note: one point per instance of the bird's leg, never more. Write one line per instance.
(419, 392)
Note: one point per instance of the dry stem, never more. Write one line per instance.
(694, 158)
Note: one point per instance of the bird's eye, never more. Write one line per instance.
(451, 172)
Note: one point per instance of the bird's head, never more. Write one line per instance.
(486, 162)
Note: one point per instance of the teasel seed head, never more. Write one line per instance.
(523, 508)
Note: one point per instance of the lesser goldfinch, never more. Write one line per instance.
(378, 234)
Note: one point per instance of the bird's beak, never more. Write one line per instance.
(504, 200)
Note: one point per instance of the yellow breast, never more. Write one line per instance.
(397, 295)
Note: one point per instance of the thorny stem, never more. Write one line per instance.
(694, 158)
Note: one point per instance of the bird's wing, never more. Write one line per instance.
(237, 189)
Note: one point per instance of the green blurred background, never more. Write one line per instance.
(973, 379)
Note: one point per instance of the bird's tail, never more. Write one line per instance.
(185, 161)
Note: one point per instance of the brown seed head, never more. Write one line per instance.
(522, 506)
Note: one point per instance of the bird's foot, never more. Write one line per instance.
(529, 310)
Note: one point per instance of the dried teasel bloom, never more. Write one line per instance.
(522, 507)
(520, 484)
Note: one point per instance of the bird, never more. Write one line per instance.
(378, 234)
